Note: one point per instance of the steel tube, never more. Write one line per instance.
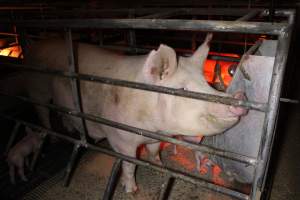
(163, 24)
(75, 84)
(172, 172)
(270, 119)
(154, 88)
(112, 181)
(142, 132)
(163, 14)
(70, 167)
(165, 187)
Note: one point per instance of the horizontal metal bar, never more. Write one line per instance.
(163, 14)
(142, 132)
(153, 88)
(162, 24)
(172, 172)
(286, 100)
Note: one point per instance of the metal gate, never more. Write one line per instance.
(280, 30)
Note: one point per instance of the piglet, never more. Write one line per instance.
(18, 154)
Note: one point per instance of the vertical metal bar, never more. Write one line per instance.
(69, 168)
(75, 84)
(131, 33)
(110, 187)
(37, 153)
(166, 188)
(270, 119)
(12, 137)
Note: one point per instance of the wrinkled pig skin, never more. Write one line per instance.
(18, 155)
(167, 114)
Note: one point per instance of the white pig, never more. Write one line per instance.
(153, 111)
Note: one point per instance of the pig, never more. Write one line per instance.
(18, 155)
(157, 112)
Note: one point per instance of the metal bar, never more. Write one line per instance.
(285, 100)
(153, 88)
(165, 188)
(265, 147)
(147, 11)
(37, 153)
(75, 84)
(9, 34)
(71, 163)
(163, 14)
(12, 137)
(163, 24)
(112, 181)
(249, 16)
(131, 33)
(145, 133)
(245, 57)
(172, 172)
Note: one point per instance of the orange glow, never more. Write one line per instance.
(209, 68)
(14, 51)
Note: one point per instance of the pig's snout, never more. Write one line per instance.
(239, 111)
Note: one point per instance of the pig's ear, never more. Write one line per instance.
(160, 64)
(201, 53)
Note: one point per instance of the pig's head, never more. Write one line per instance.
(184, 115)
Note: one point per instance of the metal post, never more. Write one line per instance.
(69, 169)
(112, 181)
(165, 188)
(75, 84)
(270, 119)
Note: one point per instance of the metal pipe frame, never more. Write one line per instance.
(154, 135)
(153, 88)
(162, 24)
(282, 30)
(172, 172)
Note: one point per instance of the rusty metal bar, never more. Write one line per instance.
(153, 88)
(146, 133)
(75, 84)
(69, 169)
(157, 24)
(12, 137)
(112, 181)
(171, 172)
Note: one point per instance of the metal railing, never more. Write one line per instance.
(282, 30)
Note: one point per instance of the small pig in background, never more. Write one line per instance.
(18, 154)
